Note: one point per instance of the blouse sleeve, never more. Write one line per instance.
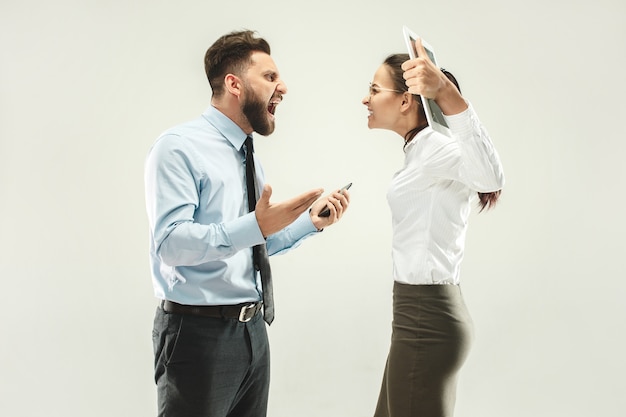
(469, 156)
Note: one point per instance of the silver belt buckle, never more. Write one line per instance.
(247, 312)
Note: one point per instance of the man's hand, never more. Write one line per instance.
(337, 202)
(275, 217)
(425, 79)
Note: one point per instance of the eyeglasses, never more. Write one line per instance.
(374, 89)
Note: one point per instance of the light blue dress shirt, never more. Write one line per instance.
(201, 233)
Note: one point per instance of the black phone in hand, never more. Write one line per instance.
(326, 211)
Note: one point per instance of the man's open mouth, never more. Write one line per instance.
(271, 108)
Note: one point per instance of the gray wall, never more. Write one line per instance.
(86, 87)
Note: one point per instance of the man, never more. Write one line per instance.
(210, 340)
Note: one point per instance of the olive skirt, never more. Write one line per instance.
(431, 336)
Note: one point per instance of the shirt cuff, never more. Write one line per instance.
(303, 225)
(244, 232)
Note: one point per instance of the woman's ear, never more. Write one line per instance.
(408, 100)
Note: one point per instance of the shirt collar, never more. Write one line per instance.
(225, 126)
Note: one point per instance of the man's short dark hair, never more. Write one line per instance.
(230, 54)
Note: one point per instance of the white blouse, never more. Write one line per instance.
(431, 198)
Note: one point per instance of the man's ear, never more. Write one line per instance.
(233, 84)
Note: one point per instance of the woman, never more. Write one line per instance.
(430, 200)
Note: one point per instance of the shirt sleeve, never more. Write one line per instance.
(172, 197)
(291, 236)
(470, 156)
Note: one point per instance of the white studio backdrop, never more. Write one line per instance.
(87, 86)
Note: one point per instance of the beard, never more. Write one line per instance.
(255, 111)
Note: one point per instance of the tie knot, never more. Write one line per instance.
(249, 145)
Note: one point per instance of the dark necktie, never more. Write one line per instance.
(259, 252)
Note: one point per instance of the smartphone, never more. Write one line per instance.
(326, 211)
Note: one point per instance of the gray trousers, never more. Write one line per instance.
(431, 337)
(210, 367)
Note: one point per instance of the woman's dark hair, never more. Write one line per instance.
(230, 54)
(394, 63)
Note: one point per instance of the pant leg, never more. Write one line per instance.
(207, 367)
(251, 400)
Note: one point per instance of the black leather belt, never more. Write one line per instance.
(242, 312)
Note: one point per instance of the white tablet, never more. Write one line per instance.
(434, 115)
